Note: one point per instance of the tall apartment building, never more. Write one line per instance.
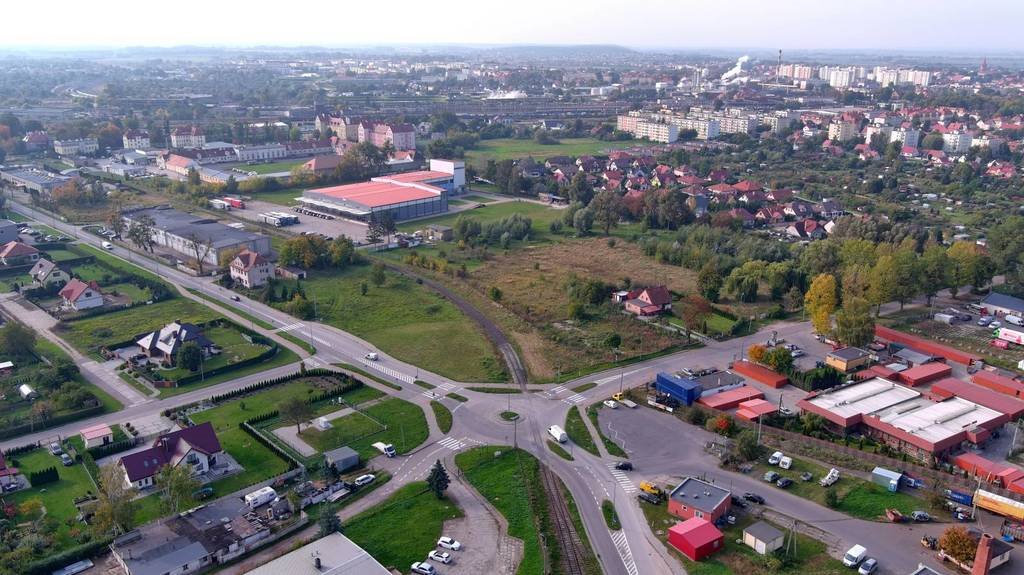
(76, 147)
(842, 131)
(188, 137)
(956, 142)
(730, 120)
(871, 130)
(778, 120)
(909, 136)
(642, 125)
(135, 139)
(796, 71)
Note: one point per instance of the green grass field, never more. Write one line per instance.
(394, 421)
(513, 487)
(90, 334)
(412, 511)
(539, 214)
(56, 497)
(58, 255)
(577, 431)
(234, 349)
(270, 168)
(407, 320)
(443, 416)
(512, 149)
(285, 197)
(131, 291)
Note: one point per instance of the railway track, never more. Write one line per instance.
(572, 554)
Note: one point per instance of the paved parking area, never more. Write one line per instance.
(333, 228)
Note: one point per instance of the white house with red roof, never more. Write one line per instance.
(1001, 169)
(15, 253)
(97, 435)
(645, 301)
(196, 448)
(251, 269)
(78, 295)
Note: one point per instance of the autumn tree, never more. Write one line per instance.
(694, 311)
(607, 209)
(116, 507)
(200, 248)
(709, 282)
(908, 270)
(935, 271)
(756, 352)
(882, 287)
(854, 324)
(820, 302)
(178, 485)
(958, 544)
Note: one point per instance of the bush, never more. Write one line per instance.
(112, 448)
(43, 476)
(55, 562)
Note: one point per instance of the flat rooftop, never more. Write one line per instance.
(374, 194)
(936, 422)
(338, 556)
(699, 495)
(867, 396)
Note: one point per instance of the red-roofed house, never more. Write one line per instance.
(806, 230)
(770, 215)
(251, 269)
(696, 538)
(646, 301)
(721, 188)
(323, 165)
(742, 215)
(78, 295)
(196, 447)
(1001, 169)
(718, 175)
(744, 186)
(15, 253)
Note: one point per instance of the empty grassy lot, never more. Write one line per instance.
(394, 421)
(512, 149)
(414, 512)
(406, 320)
(270, 168)
(540, 215)
(90, 334)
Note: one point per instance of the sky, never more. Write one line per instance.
(927, 25)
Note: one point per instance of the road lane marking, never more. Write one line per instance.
(388, 371)
(622, 479)
(622, 546)
(452, 443)
(574, 399)
(290, 327)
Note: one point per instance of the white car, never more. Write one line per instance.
(371, 356)
(611, 404)
(364, 480)
(440, 556)
(423, 568)
(995, 325)
(797, 352)
(449, 543)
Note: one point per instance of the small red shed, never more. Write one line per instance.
(696, 538)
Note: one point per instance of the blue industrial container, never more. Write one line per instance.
(686, 391)
(959, 497)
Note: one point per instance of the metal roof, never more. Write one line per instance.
(865, 397)
(699, 495)
(1005, 301)
(338, 556)
(763, 531)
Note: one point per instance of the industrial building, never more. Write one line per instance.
(334, 554)
(903, 418)
(180, 231)
(402, 196)
(33, 179)
(696, 498)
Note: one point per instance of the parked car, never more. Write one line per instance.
(55, 448)
(995, 325)
(624, 466)
(869, 566)
(921, 516)
(449, 543)
(771, 477)
(797, 353)
(774, 458)
(440, 556)
(787, 412)
(806, 476)
(737, 501)
(984, 320)
(649, 498)
(66, 460)
(235, 298)
(611, 404)
(423, 568)
(753, 498)
(364, 480)
(784, 482)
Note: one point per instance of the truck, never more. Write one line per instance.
(385, 448)
(944, 318)
(959, 497)
(261, 496)
(234, 203)
(1014, 319)
(999, 505)
(558, 434)
(648, 487)
(1010, 335)
(831, 478)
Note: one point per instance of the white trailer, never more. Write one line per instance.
(385, 448)
(558, 434)
(261, 496)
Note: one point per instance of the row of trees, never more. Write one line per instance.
(316, 252)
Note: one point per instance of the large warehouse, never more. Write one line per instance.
(179, 231)
(903, 418)
(403, 196)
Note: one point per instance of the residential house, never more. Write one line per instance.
(97, 435)
(741, 214)
(690, 180)
(36, 141)
(323, 165)
(780, 196)
(251, 269)
(744, 186)
(799, 209)
(164, 344)
(78, 295)
(46, 273)
(16, 253)
(1000, 169)
(770, 215)
(828, 210)
(806, 230)
(188, 137)
(135, 139)
(195, 447)
(646, 301)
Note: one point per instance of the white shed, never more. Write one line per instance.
(763, 538)
(27, 392)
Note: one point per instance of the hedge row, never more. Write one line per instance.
(254, 387)
(23, 428)
(43, 476)
(52, 563)
(112, 448)
(263, 356)
(263, 417)
(21, 449)
(292, 462)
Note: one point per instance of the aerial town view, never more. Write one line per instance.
(466, 289)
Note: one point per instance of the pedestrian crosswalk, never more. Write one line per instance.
(291, 326)
(439, 390)
(622, 479)
(389, 372)
(622, 546)
(554, 391)
(575, 398)
(452, 443)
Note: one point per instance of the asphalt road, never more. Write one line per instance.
(634, 550)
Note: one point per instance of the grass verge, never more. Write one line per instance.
(457, 397)
(482, 389)
(559, 451)
(612, 447)
(611, 517)
(584, 387)
(577, 431)
(443, 416)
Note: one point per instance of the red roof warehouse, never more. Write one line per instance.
(696, 538)
(951, 387)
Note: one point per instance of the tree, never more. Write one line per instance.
(583, 221)
(140, 232)
(958, 544)
(193, 177)
(190, 356)
(377, 275)
(295, 410)
(694, 311)
(756, 352)
(200, 249)
(793, 299)
(709, 282)
(908, 275)
(779, 359)
(329, 523)
(607, 209)
(971, 266)
(373, 232)
(42, 410)
(854, 325)
(882, 282)
(116, 506)
(820, 301)
(743, 281)
(17, 340)
(438, 479)
(115, 221)
(178, 485)
(747, 447)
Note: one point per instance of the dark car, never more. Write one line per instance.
(784, 482)
(624, 466)
(649, 498)
(753, 498)
(738, 502)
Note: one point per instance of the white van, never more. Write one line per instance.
(786, 462)
(854, 556)
(1014, 319)
(775, 458)
(558, 434)
(108, 246)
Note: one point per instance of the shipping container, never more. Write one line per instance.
(760, 374)
(999, 505)
(886, 478)
(1000, 343)
(235, 203)
(959, 497)
(685, 391)
(944, 318)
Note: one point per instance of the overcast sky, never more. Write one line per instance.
(977, 26)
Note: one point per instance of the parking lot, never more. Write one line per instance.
(332, 228)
